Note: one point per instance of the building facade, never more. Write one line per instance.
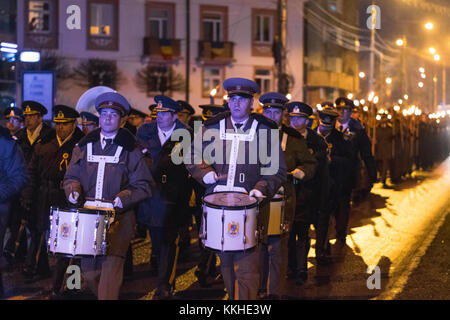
(181, 48)
(331, 49)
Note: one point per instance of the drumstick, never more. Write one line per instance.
(93, 199)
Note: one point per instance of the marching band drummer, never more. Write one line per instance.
(125, 183)
(301, 165)
(240, 269)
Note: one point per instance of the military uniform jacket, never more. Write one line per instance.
(129, 179)
(47, 133)
(362, 149)
(312, 194)
(47, 168)
(297, 156)
(171, 193)
(341, 164)
(248, 175)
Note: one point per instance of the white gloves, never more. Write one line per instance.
(118, 203)
(256, 193)
(299, 174)
(73, 197)
(210, 178)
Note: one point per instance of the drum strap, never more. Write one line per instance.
(284, 141)
(235, 138)
(102, 161)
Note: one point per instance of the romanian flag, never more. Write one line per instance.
(217, 49)
(166, 48)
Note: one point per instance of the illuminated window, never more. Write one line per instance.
(102, 19)
(39, 16)
(212, 78)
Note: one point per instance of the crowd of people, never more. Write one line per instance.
(123, 160)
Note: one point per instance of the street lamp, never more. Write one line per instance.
(437, 57)
(388, 80)
(422, 70)
(420, 84)
(362, 75)
(429, 25)
(399, 42)
(432, 50)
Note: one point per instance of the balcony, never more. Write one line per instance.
(162, 49)
(215, 52)
(318, 78)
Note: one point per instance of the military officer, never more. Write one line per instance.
(47, 168)
(15, 119)
(186, 113)
(341, 157)
(89, 122)
(362, 148)
(311, 198)
(301, 166)
(35, 130)
(135, 119)
(164, 211)
(128, 182)
(240, 269)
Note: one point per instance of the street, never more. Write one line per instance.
(403, 231)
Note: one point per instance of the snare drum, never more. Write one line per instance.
(229, 221)
(276, 218)
(78, 232)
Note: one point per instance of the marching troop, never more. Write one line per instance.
(255, 182)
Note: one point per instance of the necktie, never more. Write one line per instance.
(238, 125)
(108, 142)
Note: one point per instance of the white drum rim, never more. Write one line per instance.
(216, 206)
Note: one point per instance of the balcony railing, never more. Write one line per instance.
(167, 49)
(215, 51)
(317, 78)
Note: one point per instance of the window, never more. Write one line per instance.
(212, 78)
(212, 27)
(39, 14)
(102, 25)
(102, 19)
(263, 77)
(213, 23)
(8, 13)
(264, 29)
(158, 23)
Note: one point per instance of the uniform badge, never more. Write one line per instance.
(296, 109)
(233, 229)
(28, 109)
(63, 161)
(11, 114)
(342, 104)
(65, 231)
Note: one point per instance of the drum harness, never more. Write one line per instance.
(235, 138)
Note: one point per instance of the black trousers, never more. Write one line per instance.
(298, 247)
(165, 244)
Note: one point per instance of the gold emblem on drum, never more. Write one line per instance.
(65, 231)
(233, 229)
